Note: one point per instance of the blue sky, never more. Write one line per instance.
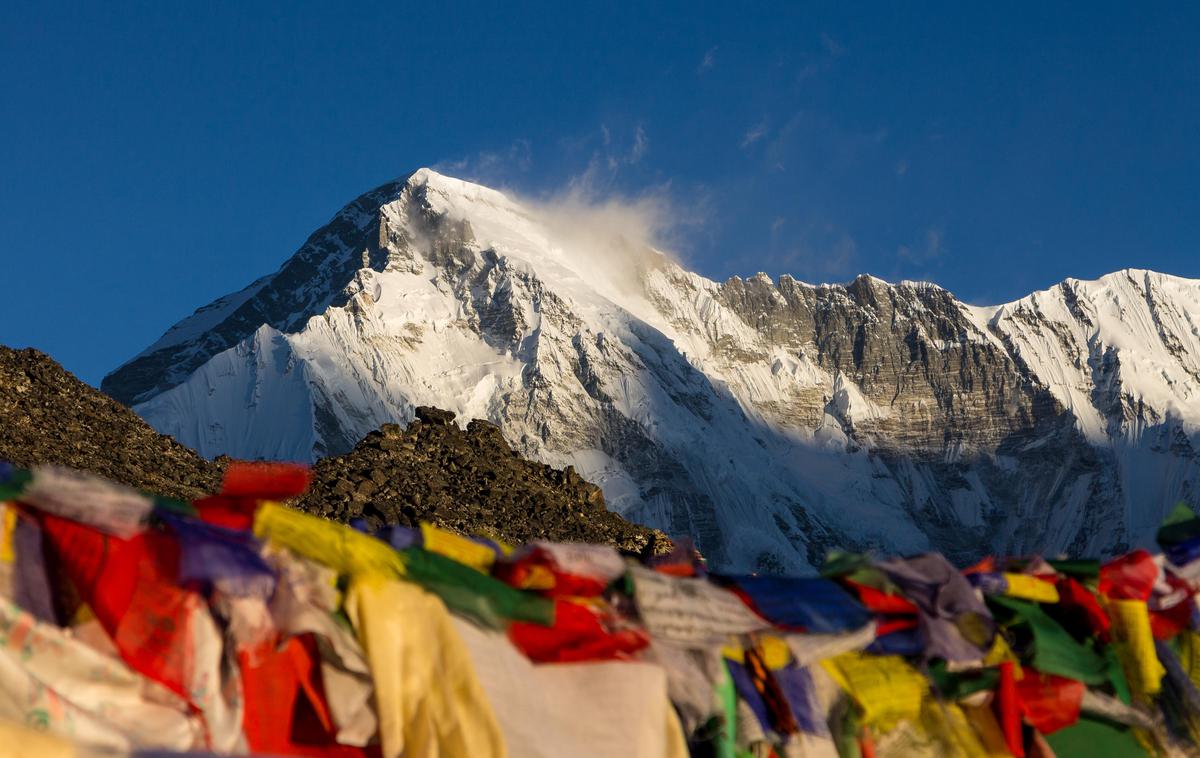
(155, 156)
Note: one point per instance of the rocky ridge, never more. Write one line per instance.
(48, 416)
(469, 481)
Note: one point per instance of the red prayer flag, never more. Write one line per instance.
(517, 573)
(1049, 702)
(1130, 577)
(986, 565)
(881, 602)
(885, 626)
(265, 481)
(130, 586)
(286, 712)
(866, 745)
(1008, 710)
(577, 635)
(1168, 623)
(1074, 595)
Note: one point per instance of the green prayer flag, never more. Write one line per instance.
(726, 743)
(1180, 525)
(1180, 514)
(1116, 675)
(12, 487)
(1055, 651)
(1077, 567)
(170, 505)
(838, 563)
(1093, 738)
(466, 591)
(955, 685)
(844, 724)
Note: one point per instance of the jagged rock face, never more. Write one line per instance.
(908, 349)
(469, 481)
(771, 421)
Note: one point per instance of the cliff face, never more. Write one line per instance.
(982, 453)
(928, 374)
(770, 420)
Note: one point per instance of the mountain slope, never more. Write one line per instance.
(47, 416)
(771, 420)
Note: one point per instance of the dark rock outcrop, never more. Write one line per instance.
(48, 416)
(469, 481)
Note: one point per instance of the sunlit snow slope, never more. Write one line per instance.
(772, 420)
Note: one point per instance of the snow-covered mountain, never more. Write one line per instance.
(772, 420)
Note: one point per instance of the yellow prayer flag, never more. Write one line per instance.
(886, 688)
(83, 614)
(1189, 654)
(733, 651)
(456, 548)
(538, 578)
(429, 698)
(18, 740)
(1029, 587)
(1189, 658)
(7, 526)
(676, 746)
(775, 651)
(974, 736)
(341, 548)
(1131, 625)
(945, 729)
(983, 721)
(1002, 653)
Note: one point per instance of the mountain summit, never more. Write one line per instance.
(771, 420)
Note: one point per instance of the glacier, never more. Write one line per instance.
(771, 420)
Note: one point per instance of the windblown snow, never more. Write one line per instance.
(771, 420)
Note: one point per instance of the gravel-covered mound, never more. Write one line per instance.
(49, 416)
(469, 481)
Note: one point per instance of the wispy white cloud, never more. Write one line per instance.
(831, 46)
(709, 60)
(615, 153)
(754, 134)
(822, 61)
(640, 145)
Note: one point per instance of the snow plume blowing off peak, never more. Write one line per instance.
(610, 237)
(770, 420)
